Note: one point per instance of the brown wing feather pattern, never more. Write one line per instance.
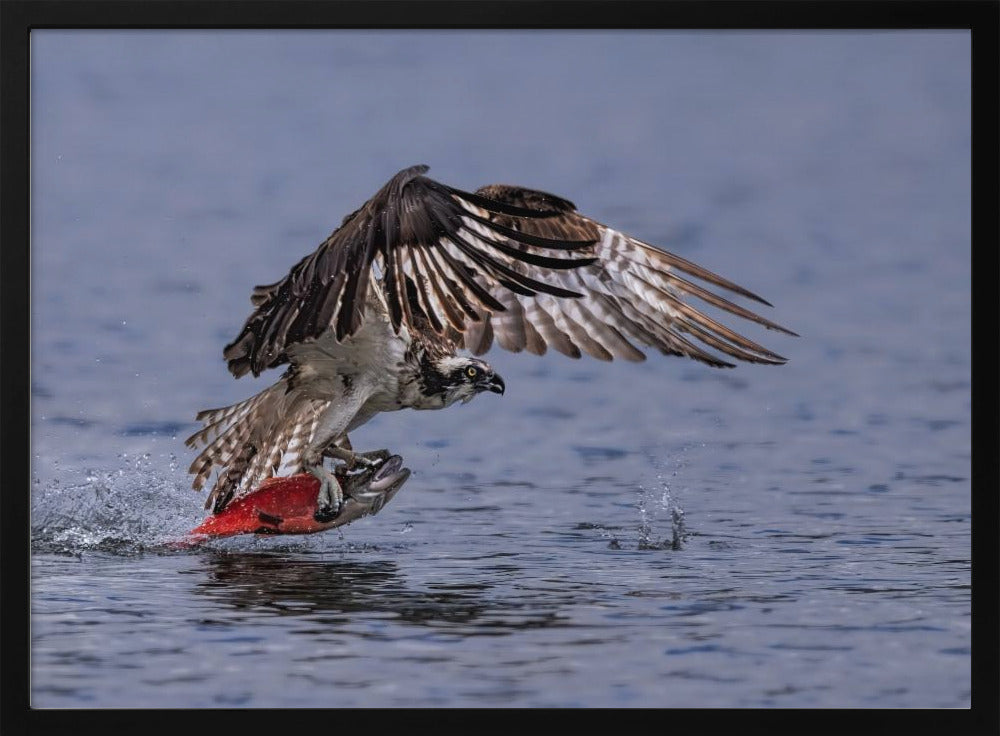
(631, 292)
(506, 264)
(249, 441)
(450, 244)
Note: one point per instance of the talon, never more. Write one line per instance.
(351, 460)
(373, 458)
(330, 500)
(324, 516)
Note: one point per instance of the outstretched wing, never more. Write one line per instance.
(441, 254)
(506, 262)
(632, 292)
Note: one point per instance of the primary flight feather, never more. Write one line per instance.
(374, 319)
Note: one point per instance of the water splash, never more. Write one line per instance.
(145, 505)
(651, 511)
(138, 506)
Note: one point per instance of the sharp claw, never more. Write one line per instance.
(326, 515)
(361, 486)
(330, 500)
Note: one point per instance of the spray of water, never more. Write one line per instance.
(657, 502)
(142, 504)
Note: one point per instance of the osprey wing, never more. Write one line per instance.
(631, 293)
(442, 256)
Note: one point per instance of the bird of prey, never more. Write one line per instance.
(374, 320)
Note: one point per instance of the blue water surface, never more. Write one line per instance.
(654, 534)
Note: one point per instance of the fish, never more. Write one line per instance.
(288, 505)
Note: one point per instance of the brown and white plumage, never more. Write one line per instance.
(631, 293)
(423, 269)
(253, 439)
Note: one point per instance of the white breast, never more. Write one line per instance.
(369, 359)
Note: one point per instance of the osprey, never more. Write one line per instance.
(374, 320)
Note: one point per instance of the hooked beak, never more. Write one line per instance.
(495, 384)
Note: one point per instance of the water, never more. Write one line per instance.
(659, 534)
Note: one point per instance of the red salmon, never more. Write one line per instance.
(288, 505)
(278, 506)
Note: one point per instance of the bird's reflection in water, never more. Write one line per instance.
(339, 591)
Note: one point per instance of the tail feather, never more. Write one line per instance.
(252, 440)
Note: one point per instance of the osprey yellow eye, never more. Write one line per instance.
(471, 371)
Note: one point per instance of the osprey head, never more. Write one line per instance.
(460, 379)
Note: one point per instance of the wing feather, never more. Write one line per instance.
(509, 326)
(549, 332)
(506, 264)
(444, 303)
(632, 294)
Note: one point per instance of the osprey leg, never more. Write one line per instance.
(329, 434)
(372, 486)
(353, 459)
(342, 450)
(376, 456)
(330, 501)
